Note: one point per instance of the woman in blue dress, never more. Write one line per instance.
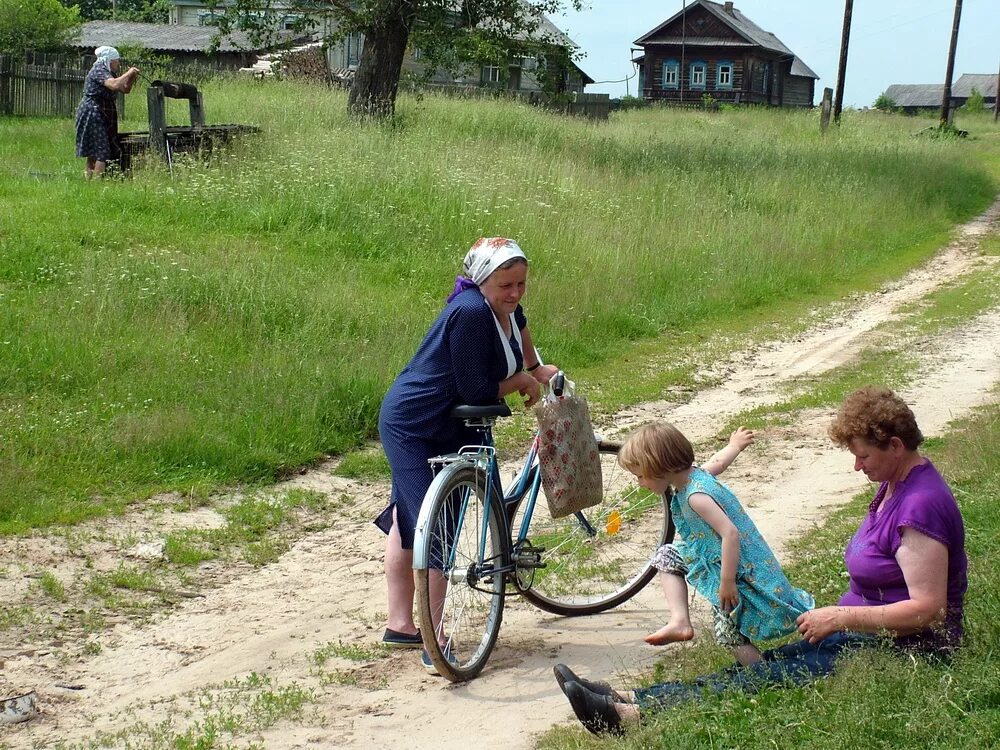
(97, 115)
(478, 351)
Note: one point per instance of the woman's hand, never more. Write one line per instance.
(729, 597)
(528, 387)
(544, 373)
(817, 624)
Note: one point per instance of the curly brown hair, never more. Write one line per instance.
(655, 450)
(876, 415)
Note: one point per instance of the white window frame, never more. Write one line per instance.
(727, 68)
(491, 74)
(699, 69)
(671, 67)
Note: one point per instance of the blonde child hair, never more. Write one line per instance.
(655, 450)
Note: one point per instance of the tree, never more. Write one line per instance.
(449, 33)
(885, 103)
(976, 103)
(36, 26)
(141, 11)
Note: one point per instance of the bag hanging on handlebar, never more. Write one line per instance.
(568, 455)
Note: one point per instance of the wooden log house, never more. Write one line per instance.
(712, 50)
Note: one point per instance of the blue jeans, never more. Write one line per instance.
(795, 663)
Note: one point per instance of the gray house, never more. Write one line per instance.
(712, 49)
(344, 56)
(926, 97)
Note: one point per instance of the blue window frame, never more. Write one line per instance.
(724, 74)
(671, 74)
(698, 74)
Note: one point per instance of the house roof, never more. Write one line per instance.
(165, 37)
(916, 94)
(753, 35)
(984, 83)
(549, 31)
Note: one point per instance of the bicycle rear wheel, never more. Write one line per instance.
(602, 556)
(460, 597)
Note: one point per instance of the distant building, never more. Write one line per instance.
(926, 97)
(343, 57)
(713, 49)
(185, 44)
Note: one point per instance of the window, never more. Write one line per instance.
(671, 74)
(491, 74)
(724, 75)
(698, 71)
(353, 43)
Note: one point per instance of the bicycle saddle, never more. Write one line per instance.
(467, 411)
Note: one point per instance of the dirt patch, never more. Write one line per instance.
(146, 676)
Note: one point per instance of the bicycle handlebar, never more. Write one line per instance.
(558, 383)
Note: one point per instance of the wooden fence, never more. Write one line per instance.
(40, 87)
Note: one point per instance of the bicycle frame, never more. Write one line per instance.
(484, 456)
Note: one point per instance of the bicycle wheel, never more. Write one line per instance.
(459, 596)
(602, 556)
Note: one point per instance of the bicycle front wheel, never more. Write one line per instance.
(602, 556)
(460, 596)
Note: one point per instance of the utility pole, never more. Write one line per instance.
(996, 101)
(845, 38)
(946, 99)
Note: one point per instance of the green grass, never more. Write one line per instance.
(238, 319)
(877, 699)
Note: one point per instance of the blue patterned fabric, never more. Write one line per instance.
(97, 117)
(460, 361)
(769, 604)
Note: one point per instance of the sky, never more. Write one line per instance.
(892, 41)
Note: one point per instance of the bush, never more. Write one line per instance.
(884, 103)
(975, 104)
(36, 25)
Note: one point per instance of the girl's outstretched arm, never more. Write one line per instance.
(715, 517)
(738, 441)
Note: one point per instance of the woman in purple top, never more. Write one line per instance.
(906, 562)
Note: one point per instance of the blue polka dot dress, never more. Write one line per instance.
(97, 117)
(462, 360)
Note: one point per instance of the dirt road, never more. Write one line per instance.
(328, 587)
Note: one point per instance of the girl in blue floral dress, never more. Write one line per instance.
(722, 554)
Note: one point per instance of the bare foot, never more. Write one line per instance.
(670, 633)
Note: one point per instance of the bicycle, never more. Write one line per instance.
(473, 541)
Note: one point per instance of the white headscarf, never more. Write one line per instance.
(107, 54)
(487, 255)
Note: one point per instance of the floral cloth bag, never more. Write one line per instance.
(567, 454)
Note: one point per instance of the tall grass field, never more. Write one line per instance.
(230, 320)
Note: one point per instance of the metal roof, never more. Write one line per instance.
(738, 23)
(165, 37)
(984, 83)
(916, 94)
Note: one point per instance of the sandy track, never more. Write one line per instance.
(328, 587)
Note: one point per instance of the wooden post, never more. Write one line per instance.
(6, 74)
(197, 110)
(824, 112)
(996, 100)
(845, 38)
(946, 97)
(157, 120)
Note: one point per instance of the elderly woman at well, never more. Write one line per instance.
(97, 114)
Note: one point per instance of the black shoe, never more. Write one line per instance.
(596, 712)
(395, 639)
(564, 674)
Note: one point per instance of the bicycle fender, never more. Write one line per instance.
(421, 540)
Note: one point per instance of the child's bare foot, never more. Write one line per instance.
(670, 633)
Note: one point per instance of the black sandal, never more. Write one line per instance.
(564, 674)
(596, 712)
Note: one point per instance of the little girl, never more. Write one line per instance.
(722, 554)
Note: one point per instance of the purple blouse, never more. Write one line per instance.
(924, 503)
